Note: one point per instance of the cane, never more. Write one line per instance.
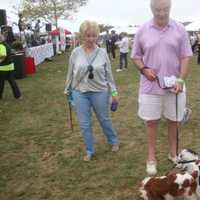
(70, 117)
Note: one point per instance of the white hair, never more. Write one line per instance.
(154, 1)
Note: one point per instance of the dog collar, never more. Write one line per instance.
(189, 161)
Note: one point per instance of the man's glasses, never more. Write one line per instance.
(90, 69)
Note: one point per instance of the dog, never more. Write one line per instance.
(168, 187)
(183, 181)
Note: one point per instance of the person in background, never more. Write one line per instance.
(113, 40)
(37, 30)
(193, 41)
(21, 24)
(28, 35)
(123, 49)
(198, 43)
(91, 81)
(107, 42)
(161, 50)
(7, 69)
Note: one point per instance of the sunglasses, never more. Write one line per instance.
(90, 69)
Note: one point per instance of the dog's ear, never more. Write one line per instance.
(194, 174)
(186, 183)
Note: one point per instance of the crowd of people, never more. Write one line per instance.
(161, 51)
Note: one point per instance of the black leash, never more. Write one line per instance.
(177, 131)
(185, 162)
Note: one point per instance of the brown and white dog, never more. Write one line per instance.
(168, 187)
(177, 183)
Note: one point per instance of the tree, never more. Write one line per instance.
(50, 10)
(104, 27)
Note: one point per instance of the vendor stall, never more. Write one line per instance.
(40, 53)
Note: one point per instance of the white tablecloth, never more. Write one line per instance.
(41, 52)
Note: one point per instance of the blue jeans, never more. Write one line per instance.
(99, 102)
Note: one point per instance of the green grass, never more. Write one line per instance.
(40, 158)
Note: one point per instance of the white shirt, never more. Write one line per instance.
(123, 45)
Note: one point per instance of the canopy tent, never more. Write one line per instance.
(194, 26)
(57, 32)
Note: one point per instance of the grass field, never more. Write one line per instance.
(40, 158)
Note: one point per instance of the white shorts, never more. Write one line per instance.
(152, 107)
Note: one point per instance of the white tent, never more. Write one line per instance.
(127, 29)
(131, 30)
(194, 26)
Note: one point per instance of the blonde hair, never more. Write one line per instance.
(87, 24)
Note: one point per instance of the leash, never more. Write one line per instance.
(71, 125)
(188, 161)
(177, 130)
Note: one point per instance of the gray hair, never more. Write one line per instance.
(154, 1)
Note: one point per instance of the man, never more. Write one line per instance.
(21, 23)
(123, 49)
(198, 43)
(161, 50)
(107, 42)
(7, 69)
(37, 30)
(113, 39)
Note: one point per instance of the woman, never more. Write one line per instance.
(90, 78)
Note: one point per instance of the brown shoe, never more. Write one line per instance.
(115, 147)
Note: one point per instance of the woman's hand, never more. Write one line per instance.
(115, 98)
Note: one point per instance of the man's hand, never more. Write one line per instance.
(149, 74)
(178, 87)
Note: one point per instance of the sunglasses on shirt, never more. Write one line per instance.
(90, 69)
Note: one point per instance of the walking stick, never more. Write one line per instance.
(70, 118)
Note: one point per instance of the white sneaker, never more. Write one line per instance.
(118, 70)
(172, 159)
(151, 168)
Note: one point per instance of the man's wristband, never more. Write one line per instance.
(114, 93)
(142, 69)
(180, 81)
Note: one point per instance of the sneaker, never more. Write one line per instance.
(151, 168)
(115, 148)
(118, 70)
(172, 159)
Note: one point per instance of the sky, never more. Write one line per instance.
(121, 12)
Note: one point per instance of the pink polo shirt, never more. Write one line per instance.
(161, 50)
